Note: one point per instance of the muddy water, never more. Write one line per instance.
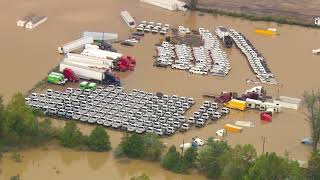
(26, 57)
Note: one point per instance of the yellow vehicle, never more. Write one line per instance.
(236, 104)
(232, 128)
(265, 32)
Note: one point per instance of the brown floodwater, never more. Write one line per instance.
(27, 56)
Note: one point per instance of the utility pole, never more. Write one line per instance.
(182, 149)
(263, 138)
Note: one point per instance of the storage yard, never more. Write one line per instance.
(245, 119)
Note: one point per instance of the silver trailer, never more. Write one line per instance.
(75, 45)
(101, 36)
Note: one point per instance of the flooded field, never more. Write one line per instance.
(27, 56)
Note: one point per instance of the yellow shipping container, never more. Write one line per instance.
(232, 128)
(265, 32)
(236, 104)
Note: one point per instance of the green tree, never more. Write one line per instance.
(189, 159)
(19, 118)
(152, 146)
(71, 136)
(99, 140)
(171, 160)
(313, 170)
(270, 166)
(131, 146)
(147, 146)
(312, 103)
(211, 158)
(238, 161)
(141, 177)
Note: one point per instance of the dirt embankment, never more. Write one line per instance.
(302, 11)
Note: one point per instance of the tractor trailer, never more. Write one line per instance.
(75, 45)
(89, 59)
(101, 54)
(84, 72)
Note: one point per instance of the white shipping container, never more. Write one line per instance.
(35, 21)
(83, 71)
(74, 45)
(244, 123)
(100, 35)
(89, 59)
(101, 54)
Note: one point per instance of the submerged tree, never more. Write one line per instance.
(270, 166)
(99, 140)
(71, 136)
(312, 103)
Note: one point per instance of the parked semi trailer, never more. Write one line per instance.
(101, 54)
(223, 34)
(75, 45)
(128, 19)
(89, 59)
(100, 36)
(84, 72)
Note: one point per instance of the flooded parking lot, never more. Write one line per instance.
(27, 56)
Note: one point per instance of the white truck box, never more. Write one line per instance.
(83, 71)
(89, 59)
(74, 45)
(100, 35)
(101, 54)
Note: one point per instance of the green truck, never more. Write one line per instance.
(86, 85)
(56, 78)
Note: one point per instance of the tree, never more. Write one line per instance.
(210, 158)
(152, 146)
(19, 118)
(141, 177)
(131, 146)
(313, 171)
(238, 161)
(99, 140)
(147, 146)
(270, 166)
(71, 136)
(171, 160)
(312, 103)
(189, 159)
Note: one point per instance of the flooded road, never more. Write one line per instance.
(27, 56)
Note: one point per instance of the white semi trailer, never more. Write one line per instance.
(84, 72)
(101, 36)
(101, 53)
(128, 19)
(89, 59)
(75, 45)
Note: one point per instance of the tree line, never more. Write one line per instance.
(22, 126)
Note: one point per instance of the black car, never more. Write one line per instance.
(158, 64)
